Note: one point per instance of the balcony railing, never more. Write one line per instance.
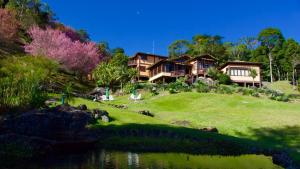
(132, 62)
(178, 73)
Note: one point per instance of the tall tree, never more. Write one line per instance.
(207, 44)
(79, 57)
(178, 48)
(9, 26)
(292, 53)
(31, 12)
(271, 38)
(236, 51)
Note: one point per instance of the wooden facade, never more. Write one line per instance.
(142, 61)
(170, 69)
(239, 72)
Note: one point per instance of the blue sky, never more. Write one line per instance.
(135, 24)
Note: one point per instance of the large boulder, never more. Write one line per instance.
(62, 123)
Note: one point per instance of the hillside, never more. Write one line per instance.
(283, 86)
(272, 123)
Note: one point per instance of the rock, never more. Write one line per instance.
(105, 118)
(119, 106)
(82, 107)
(98, 91)
(62, 123)
(146, 113)
(210, 129)
(99, 113)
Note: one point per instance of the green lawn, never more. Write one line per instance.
(273, 123)
(283, 86)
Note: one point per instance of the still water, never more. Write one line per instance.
(104, 159)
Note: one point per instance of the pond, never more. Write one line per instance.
(105, 159)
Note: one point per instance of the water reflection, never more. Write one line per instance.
(127, 160)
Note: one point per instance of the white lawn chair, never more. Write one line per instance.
(111, 98)
(135, 98)
(132, 97)
(139, 97)
(104, 98)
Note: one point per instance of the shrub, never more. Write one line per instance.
(128, 88)
(179, 86)
(223, 89)
(213, 73)
(21, 81)
(224, 79)
(173, 88)
(202, 87)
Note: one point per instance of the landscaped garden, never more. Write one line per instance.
(60, 92)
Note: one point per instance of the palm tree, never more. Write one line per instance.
(253, 74)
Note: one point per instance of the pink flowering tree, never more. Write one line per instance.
(76, 56)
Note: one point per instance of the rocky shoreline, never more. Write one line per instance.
(39, 132)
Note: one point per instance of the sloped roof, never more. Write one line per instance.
(202, 56)
(147, 54)
(240, 63)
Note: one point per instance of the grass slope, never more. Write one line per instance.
(283, 86)
(272, 123)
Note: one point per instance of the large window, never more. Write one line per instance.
(238, 72)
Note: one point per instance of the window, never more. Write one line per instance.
(238, 72)
(142, 68)
(144, 57)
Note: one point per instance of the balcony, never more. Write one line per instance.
(178, 73)
(132, 62)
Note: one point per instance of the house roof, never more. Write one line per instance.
(202, 56)
(147, 54)
(172, 60)
(242, 63)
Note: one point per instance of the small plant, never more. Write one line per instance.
(223, 89)
(202, 87)
(224, 79)
(67, 95)
(154, 91)
(253, 74)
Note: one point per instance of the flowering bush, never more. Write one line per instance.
(76, 56)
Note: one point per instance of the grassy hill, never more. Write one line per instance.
(272, 123)
(283, 86)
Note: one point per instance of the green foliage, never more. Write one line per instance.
(31, 12)
(178, 48)
(22, 80)
(68, 93)
(114, 72)
(179, 85)
(215, 74)
(225, 89)
(224, 79)
(128, 88)
(201, 87)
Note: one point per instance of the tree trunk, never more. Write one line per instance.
(253, 82)
(121, 87)
(278, 72)
(294, 82)
(270, 62)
